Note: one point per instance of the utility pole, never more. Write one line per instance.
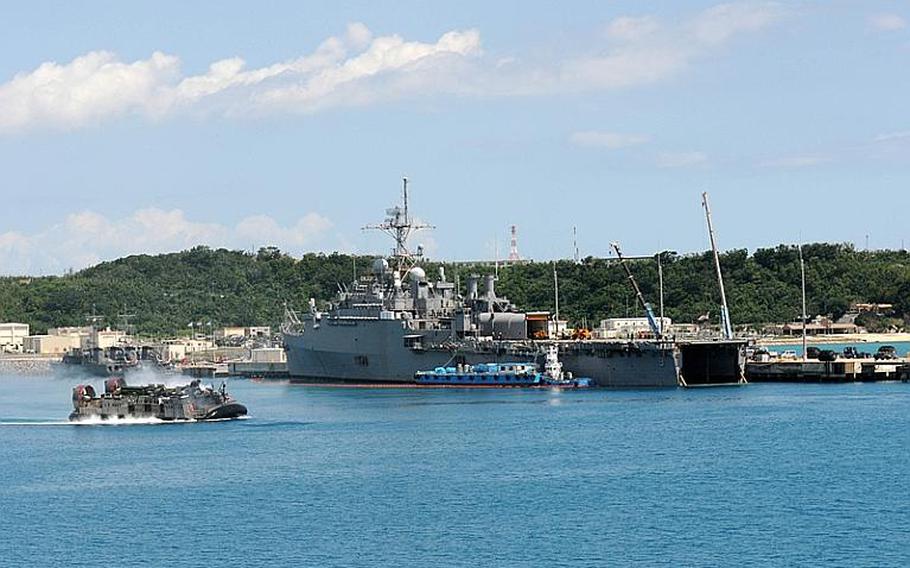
(660, 284)
(556, 294)
(802, 270)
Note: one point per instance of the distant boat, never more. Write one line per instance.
(509, 374)
(483, 374)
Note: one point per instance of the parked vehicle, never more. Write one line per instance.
(886, 352)
(827, 355)
(851, 352)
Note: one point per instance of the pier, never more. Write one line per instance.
(838, 371)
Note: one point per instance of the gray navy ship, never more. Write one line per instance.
(111, 361)
(388, 325)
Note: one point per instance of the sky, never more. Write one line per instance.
(146, 127)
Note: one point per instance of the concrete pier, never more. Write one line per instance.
(839, 371)
(27, 365)
(270, 370)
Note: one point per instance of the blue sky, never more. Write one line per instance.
(132, 127)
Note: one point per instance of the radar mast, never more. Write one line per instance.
(399, 225)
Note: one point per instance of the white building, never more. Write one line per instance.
(180, 349)
(268, 355)
(232, 331)
(50, 344)
(245, 332)
(103, 338)
(12, 336)
(616, 328)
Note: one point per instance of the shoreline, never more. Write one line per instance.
(28, 364)
(844, 338)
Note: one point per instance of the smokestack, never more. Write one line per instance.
(472, 286)
(490, 286)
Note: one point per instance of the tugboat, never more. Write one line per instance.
(554, 376)
(504, 375)
(192, 402)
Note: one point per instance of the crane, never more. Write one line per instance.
(725, 323)
(649, 311)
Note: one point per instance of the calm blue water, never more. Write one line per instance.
(755, 475)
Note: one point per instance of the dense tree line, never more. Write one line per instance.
(165, 293)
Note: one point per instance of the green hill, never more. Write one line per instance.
(166, 292)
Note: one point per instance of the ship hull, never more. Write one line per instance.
(378, 351)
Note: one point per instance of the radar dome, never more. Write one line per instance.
(417, 274)
(380, 266)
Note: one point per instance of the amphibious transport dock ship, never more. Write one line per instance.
(388, 325)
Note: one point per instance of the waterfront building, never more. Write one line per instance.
(48, 344)
(620, 328)
(12, 336)
(256, 331)
(180, 349)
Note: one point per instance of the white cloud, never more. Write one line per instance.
(632, 28)
(417, 61)
(356, 68)
(90, 87)
(626, 67)
(893, 136)
(642, 50)
(98, 85)
(803, 161)
(887, 22)
(611, 140)
(87, 237)
(720, 23)
(681, 159)
(265, 230)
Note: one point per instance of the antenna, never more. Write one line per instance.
(725, 323)
(399, 226)
(125, 318)
(575, 243)
(404, 192)
(93, 319)
(513, 246)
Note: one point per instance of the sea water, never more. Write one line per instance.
(754, 475)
